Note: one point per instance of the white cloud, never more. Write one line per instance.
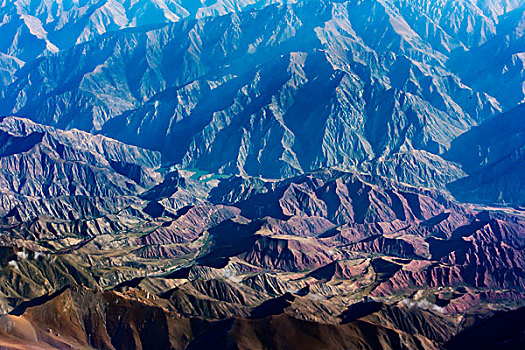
(13, 264)
(22, 254)
(423, 304)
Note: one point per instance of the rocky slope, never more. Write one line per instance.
(381, 95)
(493, 154)
(45, 171)
(34, 28)
(497, 66)
(253, 255)
(148, 325)
(399, 81)
(261, 174)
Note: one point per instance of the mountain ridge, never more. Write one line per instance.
(246, 174)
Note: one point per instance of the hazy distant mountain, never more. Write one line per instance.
(497, 66)
(493, 154)
(227, 174)
(250, 102)
(373, 86)
(35, 27)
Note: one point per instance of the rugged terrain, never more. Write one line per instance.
(262, 174)
(379, 87)
(347, 259)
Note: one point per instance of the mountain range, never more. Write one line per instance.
(229, 98)
(262, 174)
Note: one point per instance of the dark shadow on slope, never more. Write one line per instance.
(20, 309)
(229, 239)
(503, 331)
(359, 310)
(274, 306)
